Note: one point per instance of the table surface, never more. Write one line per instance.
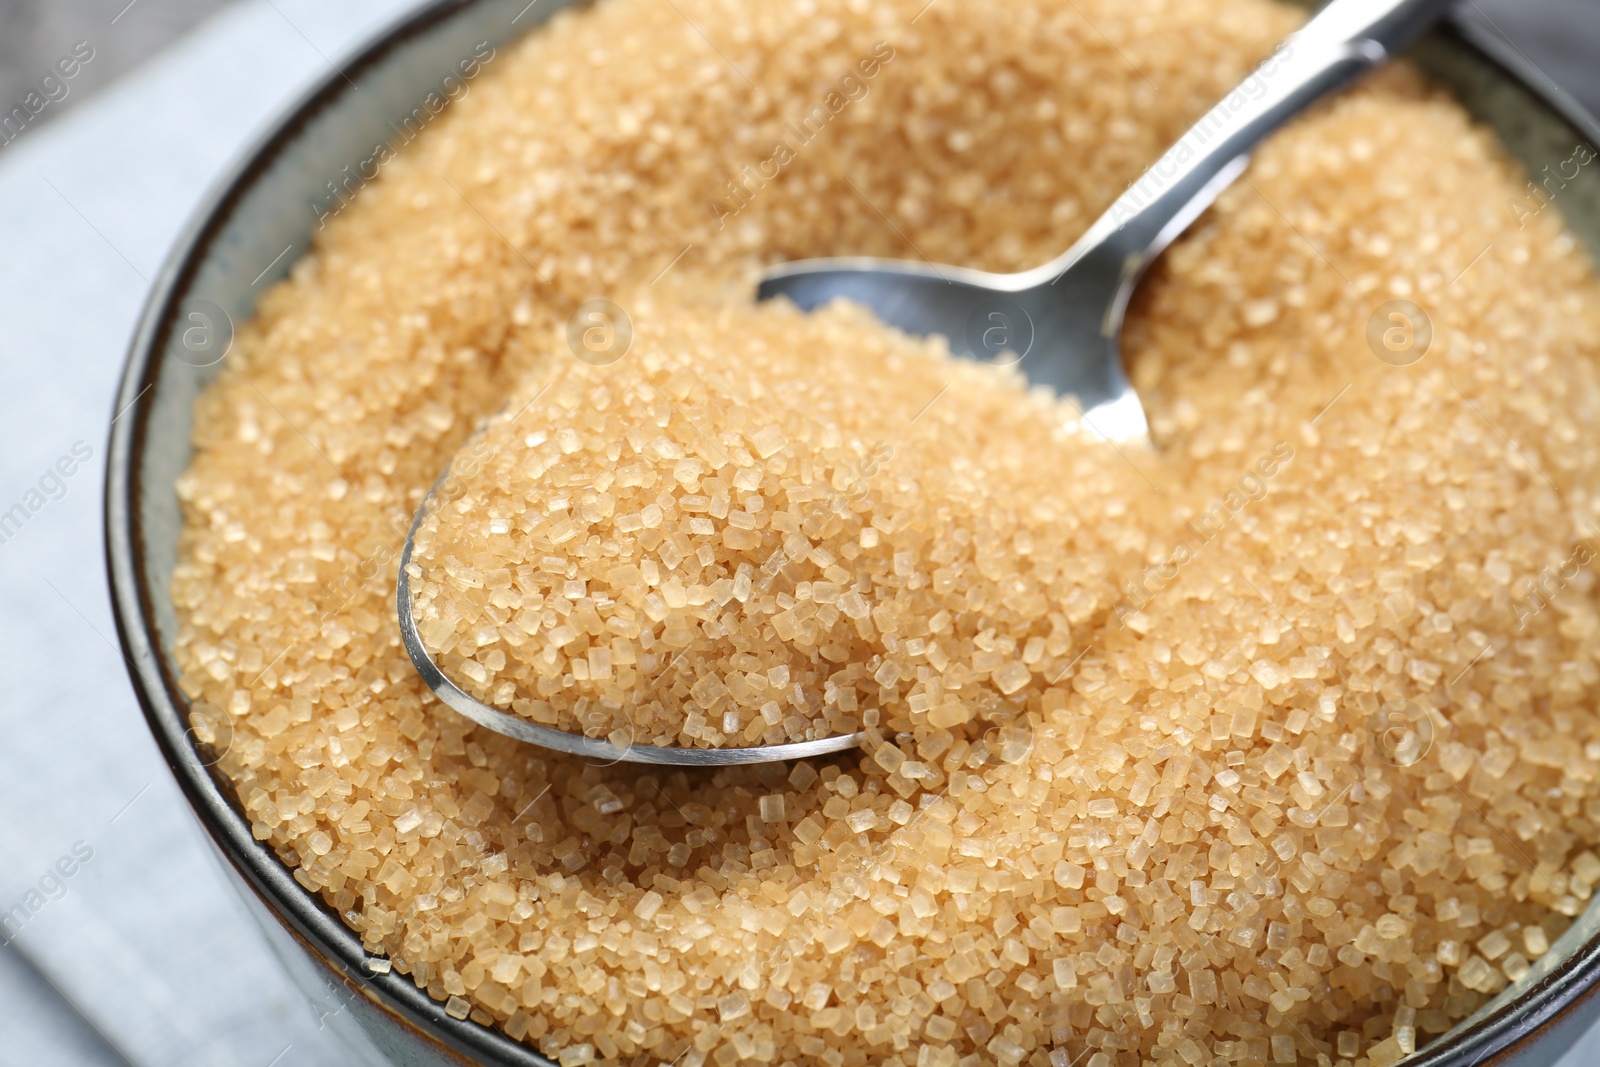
(144, 955)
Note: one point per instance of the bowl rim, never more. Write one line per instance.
(307, 918)
(1514, 1026)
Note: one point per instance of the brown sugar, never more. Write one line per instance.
(1307, 789)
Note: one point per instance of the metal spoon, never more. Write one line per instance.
(1065, 316)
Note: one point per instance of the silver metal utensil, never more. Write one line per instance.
(1063, 318)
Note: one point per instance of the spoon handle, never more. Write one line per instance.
(1343, 41)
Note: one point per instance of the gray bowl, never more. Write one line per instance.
(260, 219)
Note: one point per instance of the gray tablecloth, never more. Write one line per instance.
(112, 893)
(144, 936)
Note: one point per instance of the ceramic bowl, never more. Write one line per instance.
(260, 219)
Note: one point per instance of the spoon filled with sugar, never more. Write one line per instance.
(669, 560)
(614, 565)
